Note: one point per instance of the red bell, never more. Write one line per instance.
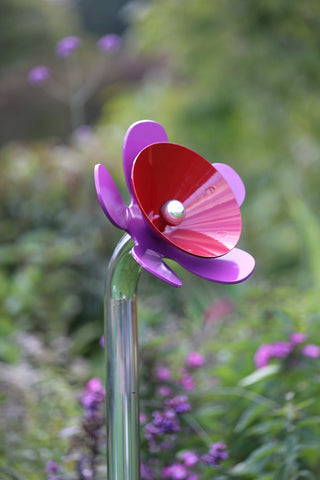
(186, 200)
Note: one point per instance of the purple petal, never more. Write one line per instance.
(110, 198)
(109, 43)
(152, 262)
(234, 267)
(39, 75)
(233, 180)
(140, 135)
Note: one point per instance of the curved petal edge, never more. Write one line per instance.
(234, 181)
(234, 267)
(109, 197)
(140, 135)
(153, 263)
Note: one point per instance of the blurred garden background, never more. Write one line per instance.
(237, 366)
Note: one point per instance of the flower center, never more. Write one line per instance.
(172, 212)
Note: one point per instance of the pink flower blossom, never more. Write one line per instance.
(176, 471)
(142, 417)
(310, 350)
(267, 351)
(163, 374)
(195, 360)
(189, 459)
(297, 338)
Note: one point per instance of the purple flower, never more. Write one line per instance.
(166, 421)
(281, 349)
(52, 467)
(145, 472)
(95, 385)
(163, 374)
(176, 471)
(263, 355)
(38, 75)
(164, 391)
(101, 341)
(109, 43)
(297, 338)
(93, 396)
(164, 235)
(193, 476)
(67, 46)
(83, 133)
(310, 350)
(142, 418)
(218, 453)
(195, 360)
(187, 381)
(179, 404)
(189, 459)
(267, 351)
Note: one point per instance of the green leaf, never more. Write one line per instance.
(251, 464)
(249, 416)
(259, 374)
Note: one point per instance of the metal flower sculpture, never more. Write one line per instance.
(182, 208)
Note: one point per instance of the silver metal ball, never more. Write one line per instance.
(173, 212)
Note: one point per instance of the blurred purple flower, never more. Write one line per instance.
(297, 338)
(281, 349)
(189, 459)
(267, 351)
(109, 43)
(67, 45)
(168, 444)
(52, 467)
(38, 75)
(193, 476)
(187, 381)
(83, 133)
(95, 385)
(93, 396)
(145, 472)
(218, 453)
(310, 350)
(179, 404)
(101, 341)
(163, 374)
(263, 355)
(166, 421)
(164, 391)
(195, 360)
(176, 471)
(142, 418)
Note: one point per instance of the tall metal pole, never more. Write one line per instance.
(122, 392)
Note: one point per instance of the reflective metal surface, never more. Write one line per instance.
(212, 223)
(173, 212)
(122, 386)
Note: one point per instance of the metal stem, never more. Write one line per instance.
(122, 392)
